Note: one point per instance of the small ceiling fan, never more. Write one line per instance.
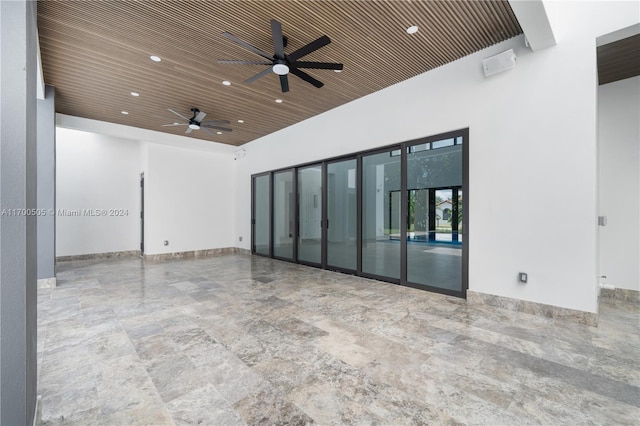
(281, 63)
(196, 123)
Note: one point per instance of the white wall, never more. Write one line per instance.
(189, 189)
(532, 140)
(96, 172)
(189, 200)
(619, 179)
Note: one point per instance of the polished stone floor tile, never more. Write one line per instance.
(237, 339)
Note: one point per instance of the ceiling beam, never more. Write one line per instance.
(534, 22)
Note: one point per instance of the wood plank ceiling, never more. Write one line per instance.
(619, 60)
(96, 53)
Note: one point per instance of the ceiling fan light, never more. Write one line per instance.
(280, 69)
(194, 126)
(412, 29)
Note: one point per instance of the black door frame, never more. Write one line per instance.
(142, 213)
(390, 149)
(253, 213)
(322, 217)
(325, 217)
(403, 147)
(293, 227)
(464, 133)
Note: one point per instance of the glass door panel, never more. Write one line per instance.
(283, 215)
(434, 181)
(380, 178)
(342, 215)
(395, 210)
(444, 210)
(261, 215)
(458, 236)
(310, 214)
(418, 218)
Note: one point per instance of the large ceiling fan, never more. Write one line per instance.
(281, 63)
(196, 123)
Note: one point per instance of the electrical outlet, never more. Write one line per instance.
(523, 277)
(240, 238)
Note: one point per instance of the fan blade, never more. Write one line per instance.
(189, 130)
(174, 124)
(318, 65)
(222, 129)
(284, 83)
(178, 114)
(247, 45)
(306, 77)
(201, 115)
(278, 41)
(214, 122)
(259, 75)
(230, 61)
(305, 50)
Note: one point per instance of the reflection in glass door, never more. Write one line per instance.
(418, 217)
(261, 214)
(434, 190)
(380, 178)
(341, 215)
(283, 215)
(310, 214)
(396, 214)
(444, 214)
(459, 231)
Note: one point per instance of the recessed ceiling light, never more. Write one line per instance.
(219, 133)
(412, 29)
(124, 112)
(279, 101)
(155, 58)
(240, 121)
(136, 94)
(226, 83)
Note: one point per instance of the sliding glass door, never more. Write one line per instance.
(341, 222)
(434, 193)
(396, 214)
(380, 246)
(310, 214)
(261, 219)
(284, 215)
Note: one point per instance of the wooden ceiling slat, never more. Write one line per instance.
(95, 53)
(619, 60)
(503, 24)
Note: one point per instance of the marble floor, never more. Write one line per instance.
(436, 264)
(240, 339)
